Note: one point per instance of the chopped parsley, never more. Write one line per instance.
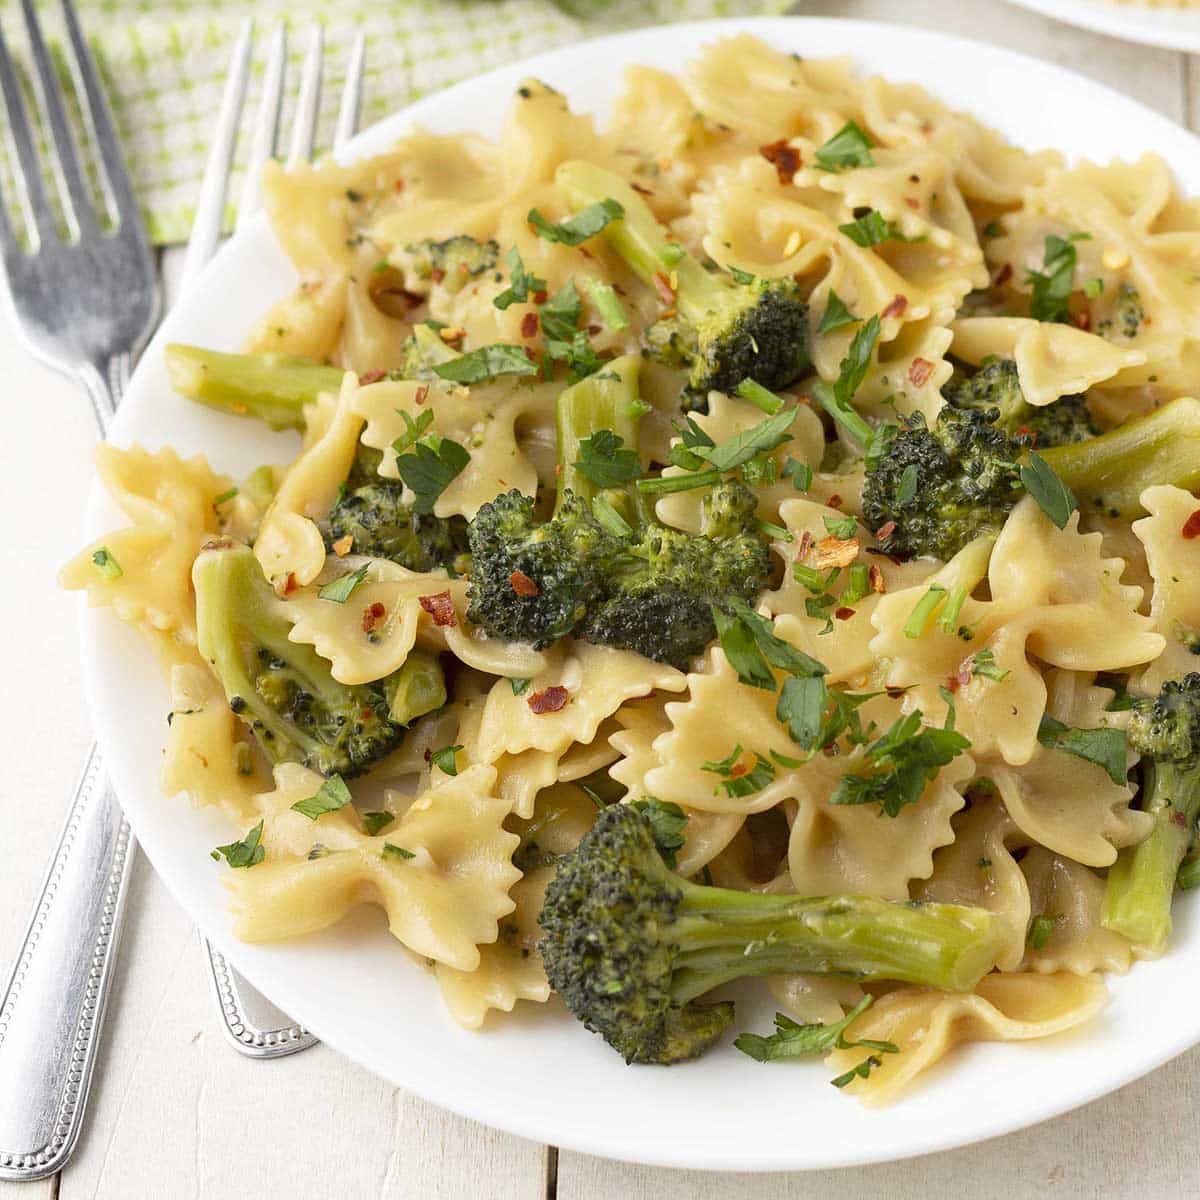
(391, 851)
(1106, 748)
(836, 315)
(738, 779)
(434, 464)
(872, 230)
(983, 662)
(1053, 284)
(488, 362)
(667, 822)
(838, 399)
(248, 852)
(750, 643)
(376, 822)
(413, 430)
(106, 564)
(521, 284)
(1054, 498)
(799, 473)
(446, 759)
(759, 396)
(1040, 930)
(900, 762)
(519, 686)
(849, 147)
(340, 590)
(578, 228)
(330, 796)
(605, 461)
(224, 498)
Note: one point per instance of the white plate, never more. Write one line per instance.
(1171, 28)
(537, 1073)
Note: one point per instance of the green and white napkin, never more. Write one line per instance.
(165, 63)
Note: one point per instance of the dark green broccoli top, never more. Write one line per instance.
(382, 525)
(451, 263)
(1167, 727)
(939, 488)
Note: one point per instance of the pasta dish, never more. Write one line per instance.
(754, 538)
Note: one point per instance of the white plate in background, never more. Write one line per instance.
(536, 1072)
(1166, 26)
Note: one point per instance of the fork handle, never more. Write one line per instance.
(53, 1008)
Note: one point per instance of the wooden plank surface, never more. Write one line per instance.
(174, 1111)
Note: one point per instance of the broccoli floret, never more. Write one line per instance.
(723, 331)
(938, 489)
(452, 263)
(657, 597)
(423, 350)
(631, 947)
(272, 387)
(382, 525)
(1165, 730)
(996, 386)
(282, 690)
(601, 568)
(533, 582)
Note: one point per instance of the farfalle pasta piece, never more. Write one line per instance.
(144, 571)
(1052, 360)
(838, 635)
(1173, 559)
(207, 754)
(639, 725)
(444, 895)
(582, 686)
(1069, 899)
(815, 998)
(926, 1025)
(838, 849)
(482, 420)
(978, 868)
(1064, 802)
(289, 542)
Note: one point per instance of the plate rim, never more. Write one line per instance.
(772, 29)
(1125, 22)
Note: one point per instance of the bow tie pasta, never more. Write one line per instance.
(757, 537)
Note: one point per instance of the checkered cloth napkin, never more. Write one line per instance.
(165, 62)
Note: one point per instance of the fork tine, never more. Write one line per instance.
(23, 155)
(77, 204)
(347, 121)
(99, 116)
(206, 231)
(304, 131)
(266, 130)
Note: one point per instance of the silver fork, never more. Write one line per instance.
(53, 1008)
(61, 294)
(251, 1023)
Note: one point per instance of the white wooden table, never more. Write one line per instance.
(175, 1112)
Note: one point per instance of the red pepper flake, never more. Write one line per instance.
(548, 700)
(437, 274)
(1191, 527)
(834, 501)
(1026, 432)
(662, 285)
(522, 584)
(785, 158)
(1179, 818)
(896, 307)
(914, 179)
(541, 296)
(912, 202)
(1083, 319)
(643, 191)
(399, 185)
(452, 335)
(843, 614)
(875, 575)
(961, 677)
(806, 544)
(592, 330)
(919, 371)
(370, 377)
(372, 615)
(585, 252)
(1003, 275)
(290, 584)
(440, 607)
(343, 545)
(739, 768)
(529, 325)
(885, 531)
(420, 395)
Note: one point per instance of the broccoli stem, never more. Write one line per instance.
(272, 387)
(1141, 883)
(417, 688)
(607, 399)
(723, 935)
(641, 241)
(1111, 471)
